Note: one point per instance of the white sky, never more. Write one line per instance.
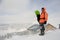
(15, 11)
(20, 11)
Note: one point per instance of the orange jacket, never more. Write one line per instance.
(43, 17)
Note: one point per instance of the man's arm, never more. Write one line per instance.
(46, 16)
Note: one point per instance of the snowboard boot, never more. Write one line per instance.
(42, 32)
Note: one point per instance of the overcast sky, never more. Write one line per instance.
(20, 11)
(52, 7)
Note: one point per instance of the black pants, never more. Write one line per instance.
(42, 28)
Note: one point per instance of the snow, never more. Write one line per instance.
(49, 35)
(15, 32)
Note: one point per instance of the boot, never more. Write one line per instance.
(42, 32)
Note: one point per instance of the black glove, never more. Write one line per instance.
(45, 22)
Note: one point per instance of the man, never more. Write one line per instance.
(43, 20)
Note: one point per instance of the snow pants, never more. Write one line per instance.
(42, 28)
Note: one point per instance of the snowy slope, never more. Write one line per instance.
(15, 32)
(50, 35)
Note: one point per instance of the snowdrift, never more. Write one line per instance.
(32, 30)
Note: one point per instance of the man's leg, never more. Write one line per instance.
(42, 29)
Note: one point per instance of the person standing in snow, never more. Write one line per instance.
(43, 20)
